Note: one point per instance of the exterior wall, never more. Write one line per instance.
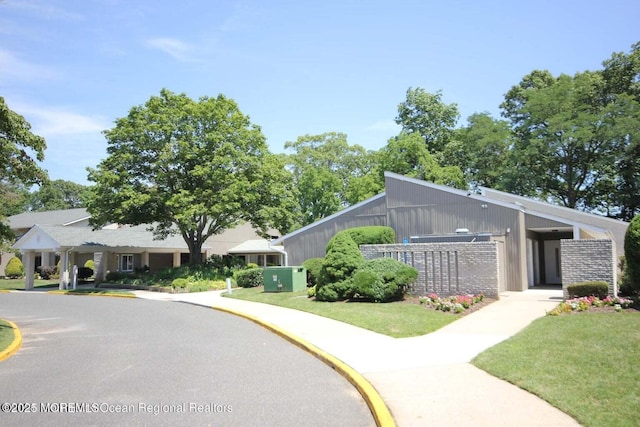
(312, 241)
(588, 260)
(447, 268)
(615, 227)
(415, 209)
(4, 260)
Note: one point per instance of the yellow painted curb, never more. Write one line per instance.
(64, 292)
(378, 408)
(4, 291)
(15, 345)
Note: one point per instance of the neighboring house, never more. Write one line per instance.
(260, 252)
(529, 242)
(113, 248)
(22, 223)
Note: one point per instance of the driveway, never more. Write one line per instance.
(114, 361)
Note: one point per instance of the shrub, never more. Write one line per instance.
(250, 278)
(383, 279)
(14, 268)
(313, 266)
(90, 264)
(252, 265)
(180, 283)
(311, 291)
(117, 276)
(584, 289)
(341, 261)
(326, 293)
(369, 235)
(85, 272)
(632, 254)
(46, 272)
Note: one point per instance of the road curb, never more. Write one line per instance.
(64, 292)
(378, 408)
(15, 345)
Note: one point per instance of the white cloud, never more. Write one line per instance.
(176, 48)
(384, 126)
(44, 11)
(55, 121)
(14, 68)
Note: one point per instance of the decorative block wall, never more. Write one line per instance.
(589, 260)
(446, 268)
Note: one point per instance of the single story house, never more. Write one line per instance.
(66, 236)
(525, 242)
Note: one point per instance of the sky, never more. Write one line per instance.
(71, 67)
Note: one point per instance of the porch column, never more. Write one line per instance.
(145, 259)
(176, 259)
(104, 265)
(29, 259)
(64, 269)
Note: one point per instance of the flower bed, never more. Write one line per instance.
(454, 304)
(588, 303)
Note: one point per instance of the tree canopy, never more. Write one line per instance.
(18, 167)
(427, 115)
(58, 194)
(190, 167)
(328, 174)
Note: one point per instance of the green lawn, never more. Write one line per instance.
(586, 364)
(18, 284)
(6, 335)
(395, 319)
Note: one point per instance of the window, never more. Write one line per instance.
(126, 262)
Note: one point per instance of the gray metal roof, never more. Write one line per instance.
(88, 239)
(59, 217)
(329, 218)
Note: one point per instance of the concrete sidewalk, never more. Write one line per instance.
(424, 380)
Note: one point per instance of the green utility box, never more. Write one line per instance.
(285, 279)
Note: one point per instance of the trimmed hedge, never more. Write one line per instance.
(341, 261)
(598, 289)
(313, 266)
(368, 235)
(383, 280)
(250, 278)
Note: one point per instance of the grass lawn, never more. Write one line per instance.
(395, 319)
(6, 335)
(585, 364)
(18, 284)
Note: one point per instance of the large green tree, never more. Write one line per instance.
(329, 174)
(18, 167)
(480, 150)
(567, 138)
(406, 154)
(621, 75)
(58, 194)
(427, 115)
(190, 167)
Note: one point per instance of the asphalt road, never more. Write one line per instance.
(115, 361)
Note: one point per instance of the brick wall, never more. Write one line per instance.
(446, 268)
(588, 260)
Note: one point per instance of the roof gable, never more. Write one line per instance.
(59, 217)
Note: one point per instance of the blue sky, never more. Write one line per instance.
(71, 67)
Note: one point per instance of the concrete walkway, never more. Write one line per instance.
(424, 380)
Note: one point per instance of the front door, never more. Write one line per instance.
(552, 266)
